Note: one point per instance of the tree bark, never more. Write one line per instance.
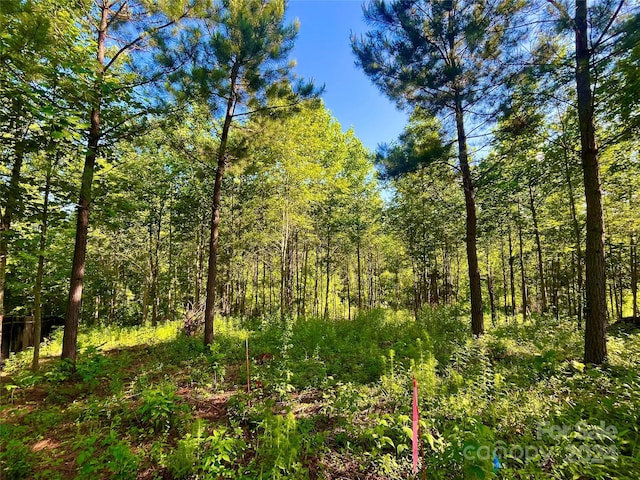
(477, 320)
(634, 277)
(155, 225)
(416, 290)
(303, 300)
(348, 289)
(72, 317)
(328, 275)
(536, 231)
(5, 225)
(359, 275)
(523, 277)
(210, 305)
(504, 276)
(37, 289)
(576, 236)
(492, 301)
(595, 338)
(512, 276)
(316, 301)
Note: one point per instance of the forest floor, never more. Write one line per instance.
(329, 399)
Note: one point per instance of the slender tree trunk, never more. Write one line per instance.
(457, 287)
(477, 321)
(284, 277)
(154, 260)
(434, 294)
(616, 282)
(492, 297)
(359, 275)
(296, 258)
(348, 289)
(303, 303)
(571, 289)
(288, 275)
(72, 317)
(316, 302)
(397, 275)
(512, 276)
(328, 275)
(37, 290)
(634, 277)
(504, 277)
(525, 295)
(434, 297)
(256, 285)
(446, 273)
(536, 231)
(212, 271)
(171, 293)
(145, 301)
(5, 225)
(199, 264)
(595, 338)
(576, 236)
(96, 313)
(416, 291)
(612, 304)
(270, 286)
(264, 286)
(335, 300)
(555, 267)
(370, 280)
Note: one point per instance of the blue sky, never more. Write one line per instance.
(323, 52)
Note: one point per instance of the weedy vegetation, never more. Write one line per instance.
(328, 399)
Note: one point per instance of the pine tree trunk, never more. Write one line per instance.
(172, 277)
(37, 290)
(212, 271)
(316, 301)
(504, 277)
(512, 276)
(328, 275)
(492, 298)
(370, 298)
(296, 259)
(256, 286)
(634, 277)
(536, 231)
(397, 275)
(5, 226)
(595, 338)
(303, 302)
(576, 236)
(555, 267)
(359, 275)
(446, 266)
(199, 264)
(523, 278)
(154, 260)
(264, 286)
(348, 289)
(72, 317)
(416, 291)
(284, 277)
(477, 321)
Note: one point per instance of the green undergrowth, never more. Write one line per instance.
(329, 399)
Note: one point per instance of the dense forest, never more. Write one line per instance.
(164, 169)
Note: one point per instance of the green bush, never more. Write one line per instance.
(207, 456)
(16, 460)
(161, 408)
